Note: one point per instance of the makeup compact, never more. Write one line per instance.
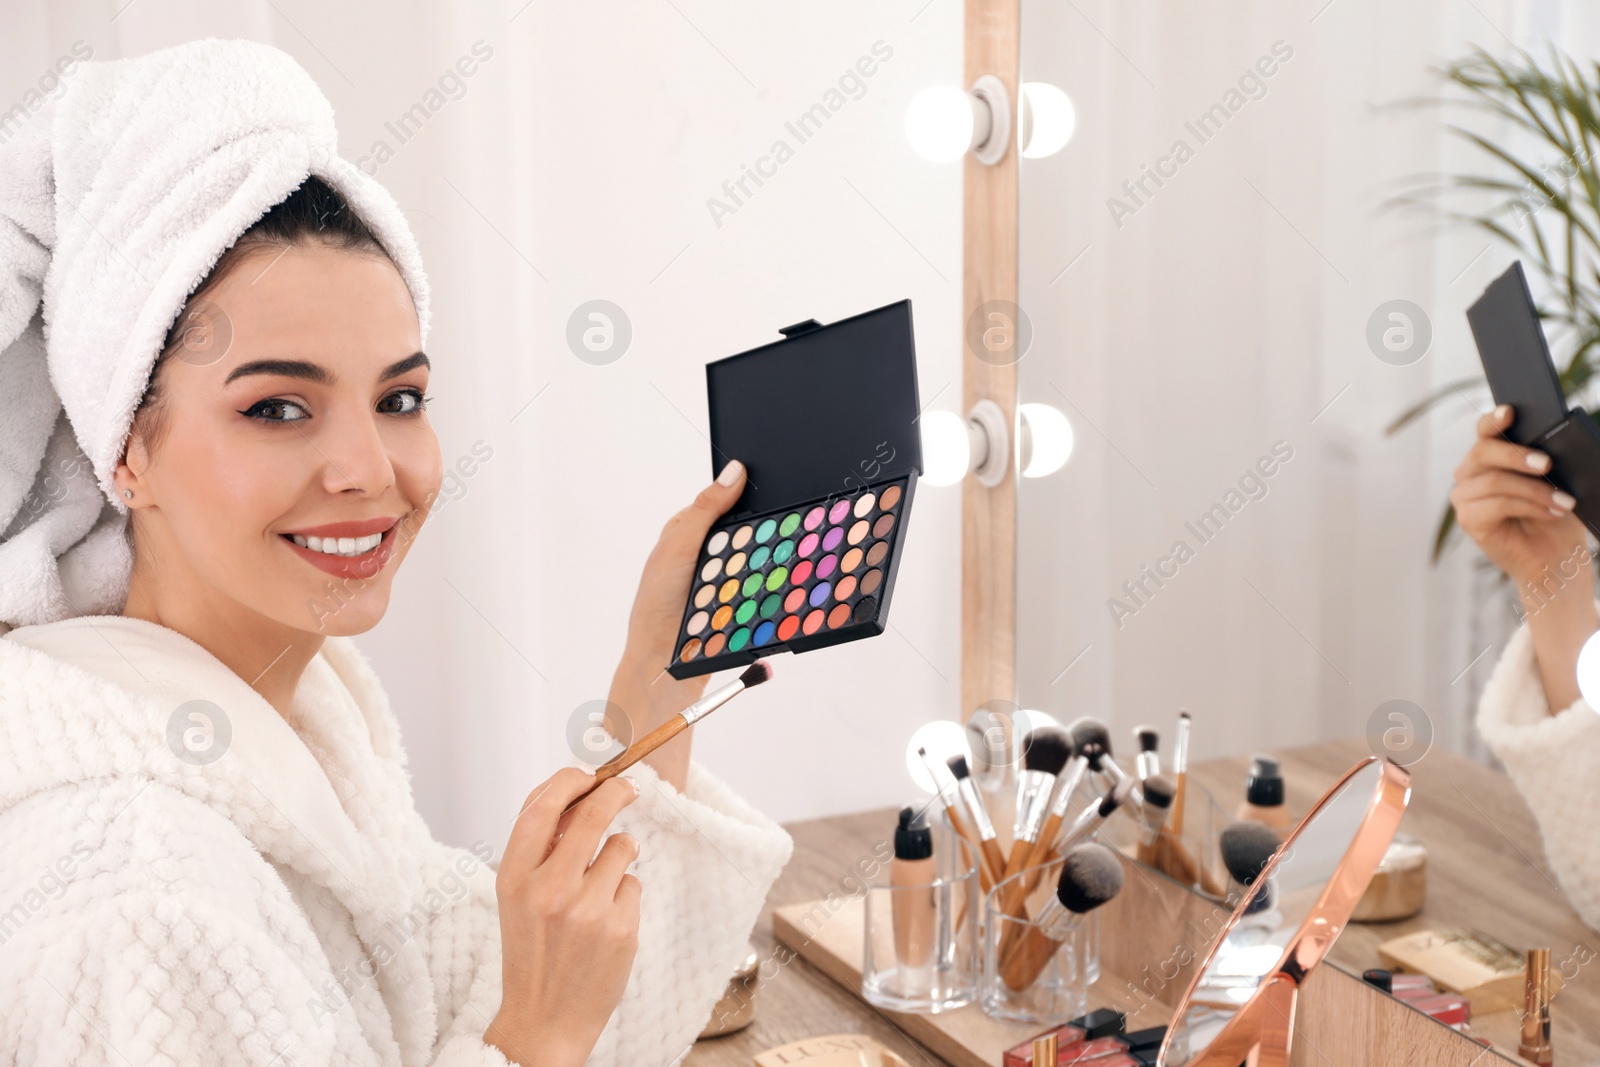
(825, 422)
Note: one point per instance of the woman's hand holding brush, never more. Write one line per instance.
(569, 927)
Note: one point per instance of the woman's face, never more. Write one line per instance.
(293, 470)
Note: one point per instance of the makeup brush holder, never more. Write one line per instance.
(1061, 989)
(922, 950)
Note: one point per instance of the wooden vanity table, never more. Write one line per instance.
(1487, 871)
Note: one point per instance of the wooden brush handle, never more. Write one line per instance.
(1027, 959)
(993, 859)
(633, 754)
(1177, 804)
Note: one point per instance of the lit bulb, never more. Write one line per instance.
(939, 123)
(942, 739)
(1049, 440)
(1048, 119)
(1589, 671)
(946, 449)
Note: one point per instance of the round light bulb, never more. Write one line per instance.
(942, 739)
(1589, 671)
(946, 449)
(939, 123)
(1051, 439)
(1048, 119)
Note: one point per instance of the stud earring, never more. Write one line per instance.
(127, 494)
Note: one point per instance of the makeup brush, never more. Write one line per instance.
(1148, 761)
(1066, 788)
(950, 796)
(1046, 750)
(1056, 843)
(1094, 816)
(1088, 730)
(1180, 770)
(1090, 875)
(1246, 847)
(758, 672)
(988, 847)
(1158, 793)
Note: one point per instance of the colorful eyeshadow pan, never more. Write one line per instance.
(785, 591)
(825, 421)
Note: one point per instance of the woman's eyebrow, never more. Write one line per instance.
(299, 368)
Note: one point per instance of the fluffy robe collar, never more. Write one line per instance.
(94, 697)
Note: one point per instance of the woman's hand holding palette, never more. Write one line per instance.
(799, 563)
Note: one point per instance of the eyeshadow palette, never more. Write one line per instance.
(825, 424)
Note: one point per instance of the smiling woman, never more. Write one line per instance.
(297, 453)
(248, 879)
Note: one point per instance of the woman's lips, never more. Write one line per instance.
(365, 565)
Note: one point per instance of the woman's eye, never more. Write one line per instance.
(274, 410)
(404, 402)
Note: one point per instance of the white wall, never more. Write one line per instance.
(1229, 312)
(577, 166)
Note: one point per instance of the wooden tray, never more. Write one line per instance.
(1152, 937)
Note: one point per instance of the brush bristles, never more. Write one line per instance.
(1115, 797)
(1047, 749)
(758, 672)
(958, 767)
(1149, 738)
(1246, 847)
(1090, 875)
(1090, 731)
(1160, 791)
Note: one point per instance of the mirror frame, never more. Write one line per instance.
(1261, 1031)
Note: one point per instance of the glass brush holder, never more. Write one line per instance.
(921, 949)
(1036, 973)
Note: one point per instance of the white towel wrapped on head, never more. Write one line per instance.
(116, 199)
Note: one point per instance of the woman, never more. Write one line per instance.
(208, 847)
(1531, 713)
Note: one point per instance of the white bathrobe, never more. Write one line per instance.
(285, 904)
(1555, 762)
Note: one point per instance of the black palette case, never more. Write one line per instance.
(1516, 360)
(826, 424)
